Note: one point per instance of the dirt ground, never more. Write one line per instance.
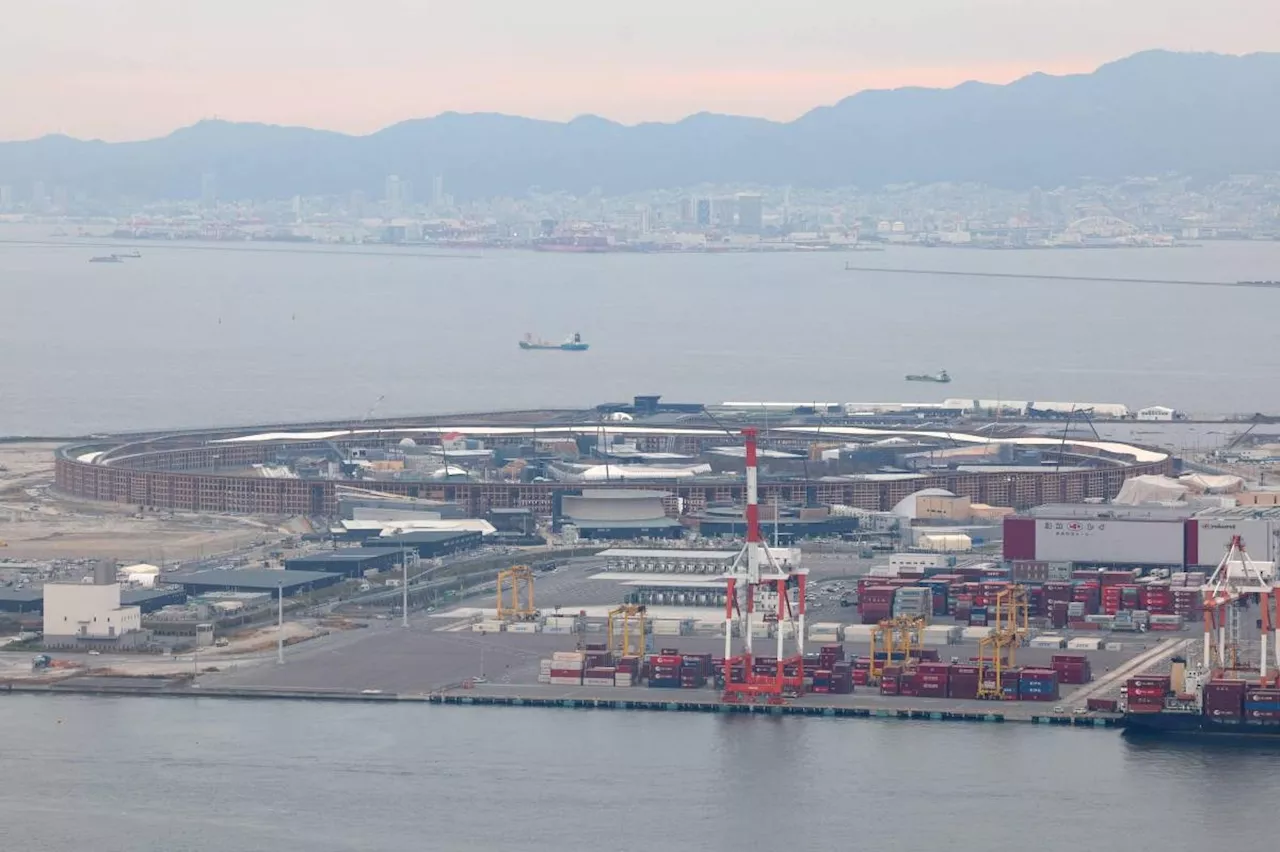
(38, 525)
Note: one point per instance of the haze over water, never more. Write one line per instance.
(211, 334)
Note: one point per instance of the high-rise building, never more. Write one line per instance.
(437, 192)
(357, 203)
(392, 197)
(722, 212)
(208, 190)
(750, 213)
(687, 210)
(704, 212)
(6, 198)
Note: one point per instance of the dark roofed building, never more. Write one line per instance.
(21, 600)
(150, 600)
(249, 580)
(348, 561)
(429, 544)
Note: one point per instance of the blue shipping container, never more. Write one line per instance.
(1262, 705)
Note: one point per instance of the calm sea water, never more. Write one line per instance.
(190, 337)
(218, 776)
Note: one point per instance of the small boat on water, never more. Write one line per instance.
(571, 344)
(106, 258)
(939, 377)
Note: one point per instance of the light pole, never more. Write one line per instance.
(404, 583)
(280, 623)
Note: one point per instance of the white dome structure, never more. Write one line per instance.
(906, 507)
(408, 442)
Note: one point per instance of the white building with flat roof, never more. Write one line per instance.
(84, 611)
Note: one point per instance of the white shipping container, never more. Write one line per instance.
(557, 630)
(597, 681)
(569, 665)
(568, 655)
(940, 634)
(565, 681)
(622, 679)
(666, 627)
(1113, 646)
(1055, 642)
(1084, 644)
(971, 634)
(760, 630)
(898, 561)
(544, 678)
(708, 628)
(1134, 542)
(523, 627)
(858, 632)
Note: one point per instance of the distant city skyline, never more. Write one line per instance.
(134, 69)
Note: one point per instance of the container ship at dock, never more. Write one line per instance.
(1224, 695)
(1197, 704)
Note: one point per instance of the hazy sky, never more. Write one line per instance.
(128, 69)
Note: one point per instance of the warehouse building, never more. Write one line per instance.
(349, 561)
(290, 582)
(151, 600)
(428, 544)
(618, 514)
(21, 600)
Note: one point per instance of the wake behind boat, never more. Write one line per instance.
(571, 344)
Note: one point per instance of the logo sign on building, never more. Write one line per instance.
(1110, 541)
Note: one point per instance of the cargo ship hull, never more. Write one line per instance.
(556, 347)
(1195, 725)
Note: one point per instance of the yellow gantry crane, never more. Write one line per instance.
(515, 608)
(901, 635)
(626, 630)
(999, 651)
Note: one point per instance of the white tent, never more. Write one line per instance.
(1138, 490)
(1205, 483)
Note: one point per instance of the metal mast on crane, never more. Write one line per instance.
(1236, 580)
(746, 580)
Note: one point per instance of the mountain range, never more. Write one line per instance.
(1202, 114)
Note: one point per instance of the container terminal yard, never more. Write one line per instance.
(742, 557)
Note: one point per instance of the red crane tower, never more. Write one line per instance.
(1236, 580)
(754, 573)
